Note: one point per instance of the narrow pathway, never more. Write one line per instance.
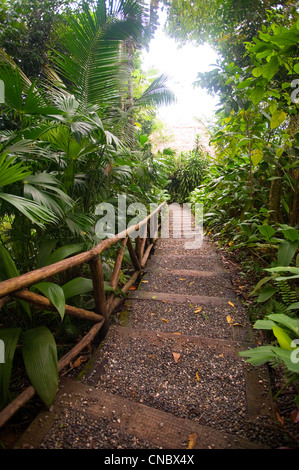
(168, 374)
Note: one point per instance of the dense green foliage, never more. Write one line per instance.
(70, 139)
(190, 170)
(251, 194)
(74, 132)
(226, 25)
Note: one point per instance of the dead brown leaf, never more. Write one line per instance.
(176, 356)
(280, 419)
(79, 361)
(295, 416)
(192, 440)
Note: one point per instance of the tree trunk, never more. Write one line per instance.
(275, 196)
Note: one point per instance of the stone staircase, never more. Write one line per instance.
(168, 374)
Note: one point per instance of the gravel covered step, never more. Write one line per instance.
(83, 417)
(199, 379)
(198, 319)
(199, 263)
(174, 282)
(183, 298)
(179, 247)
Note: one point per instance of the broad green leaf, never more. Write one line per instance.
(263, 354)
(44, 251)
(291, 323)
(296, 68)
(285, 278)
(8, 268)
(286, 269)
(260, 283)
(267, 231)
(277, 119)
(266, 294)
(77, 286)
(257, 94)
(279, 152)
(273, 107)
(291, 234)
(286, 251)
(257, 156)
(64, 252)
(271, 68)
(290, 358)
(260, 355)
(293, 306)
(264, 325)
(40, 358)
(257, 71)
(283, 339)
(54, 293)
(9, 338)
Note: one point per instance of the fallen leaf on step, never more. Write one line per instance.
(191, 440)
(144, 281)
(230, 303)
(232, 321)
(79, 361)
(177, 333)
(197, 376)
(280, 419)
(198, 310)
(164, 319)
(132, 288)
(295, 415)
(182, 279)
(176, 356)
(154, 297)
(191, 283)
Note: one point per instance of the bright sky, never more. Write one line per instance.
(182, 65)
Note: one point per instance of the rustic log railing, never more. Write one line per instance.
(105, 304)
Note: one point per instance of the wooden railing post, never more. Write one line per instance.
(99, 289)
(143, 242)
(133, 255)
(17, 288)
(138, 248)
(118, 263)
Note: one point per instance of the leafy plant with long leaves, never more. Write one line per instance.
(62, 153)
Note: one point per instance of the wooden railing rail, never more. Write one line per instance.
(17, 287)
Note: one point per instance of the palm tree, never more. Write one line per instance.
(100, 44)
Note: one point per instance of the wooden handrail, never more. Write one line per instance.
(17, 288)
(25, 280)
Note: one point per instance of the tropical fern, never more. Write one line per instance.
(288, 295)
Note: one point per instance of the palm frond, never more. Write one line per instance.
(10, 172)
(37, 213)
(94, 61)
(157, 94)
